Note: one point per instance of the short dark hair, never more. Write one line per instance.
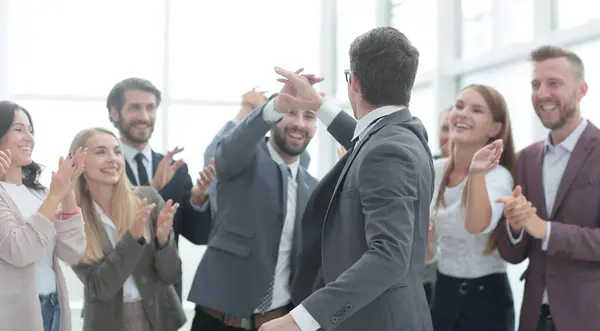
(385, 63)
(548, 52)
(31, 172)
(116, 97)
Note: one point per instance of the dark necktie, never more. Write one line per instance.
(141, 169)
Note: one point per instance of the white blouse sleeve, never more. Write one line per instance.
(499, 184)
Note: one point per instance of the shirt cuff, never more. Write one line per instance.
(304, 320)
(200, 208)
(512, 238)
(547, 238)
(270, 115)
(328, 111)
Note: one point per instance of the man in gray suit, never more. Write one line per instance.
(373, 207)
(245, 275)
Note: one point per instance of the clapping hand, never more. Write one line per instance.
(140, 222)
(298, 91)
(165, 222)
(166, 169)
(487, 157)
(4, 163)
(206, 178)
(69, 170)
(520, 214)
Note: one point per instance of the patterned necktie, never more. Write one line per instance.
(267, 299)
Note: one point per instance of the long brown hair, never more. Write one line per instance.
(124, 204)
(497, 105)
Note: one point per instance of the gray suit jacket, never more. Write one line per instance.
(210, 152)
(241, 254)
(373, 210)
(154, 271)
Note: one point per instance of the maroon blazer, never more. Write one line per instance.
(570, 268)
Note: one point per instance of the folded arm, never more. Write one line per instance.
(23, 243)
(388, 203)
(70, 239)
(104, 279)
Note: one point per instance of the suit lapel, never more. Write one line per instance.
(130, 174)
(156, 158)
(581, 152)
(301, 200)
(537, 183)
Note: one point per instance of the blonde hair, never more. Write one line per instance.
(124, 204)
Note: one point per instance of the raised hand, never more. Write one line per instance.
(69, 170)
(487, 157)
(298, 91)
(140, 222)
(164, 223)
(4, 163)
(166, 169)
(253, 98)
(206, 178)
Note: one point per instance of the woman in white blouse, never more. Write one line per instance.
(472, 292)
(34, 231)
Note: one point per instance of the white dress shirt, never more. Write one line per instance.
(326, 114)
(130, 290)
(459, 253)
(556, 158)
(131, 152)
(29, 202)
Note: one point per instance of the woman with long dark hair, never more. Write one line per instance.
(37, 227)
(472, 291)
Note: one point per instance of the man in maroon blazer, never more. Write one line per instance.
(553, 216)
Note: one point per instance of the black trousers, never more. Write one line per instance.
(204, 322)
(546, 323)
(429, 293)
(478, 304)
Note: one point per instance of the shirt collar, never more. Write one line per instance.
(371, 118)
(277, 158)
(130, 153)
(571, 140)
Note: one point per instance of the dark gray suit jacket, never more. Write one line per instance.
(154, 270)
(241, 254)
(372, 210)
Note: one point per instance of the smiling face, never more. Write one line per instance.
(104, 161)
(135, 121)
(19, 140)
(471, 120)
(293, 133)
(556, 92)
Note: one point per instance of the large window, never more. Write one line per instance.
(219, 50)
(417, 19)
(492, 24)
(572, 13)
(589, 53)
(422, 105)
(83, 47)
(354, 17)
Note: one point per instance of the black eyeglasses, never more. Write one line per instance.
(347, 73)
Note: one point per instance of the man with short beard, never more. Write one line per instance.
(552, 217)
(249, 266)
(132, 105)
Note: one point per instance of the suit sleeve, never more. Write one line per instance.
(236, 150)
(339, 123)
(388, 190)
(103, 279)
(575, 242)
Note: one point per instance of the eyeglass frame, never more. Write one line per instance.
(347, 74)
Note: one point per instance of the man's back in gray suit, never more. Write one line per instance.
(373, 207)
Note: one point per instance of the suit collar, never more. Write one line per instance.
(571, 140)
(363, 125)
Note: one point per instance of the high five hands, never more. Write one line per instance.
(297, 91)
(521, 214)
